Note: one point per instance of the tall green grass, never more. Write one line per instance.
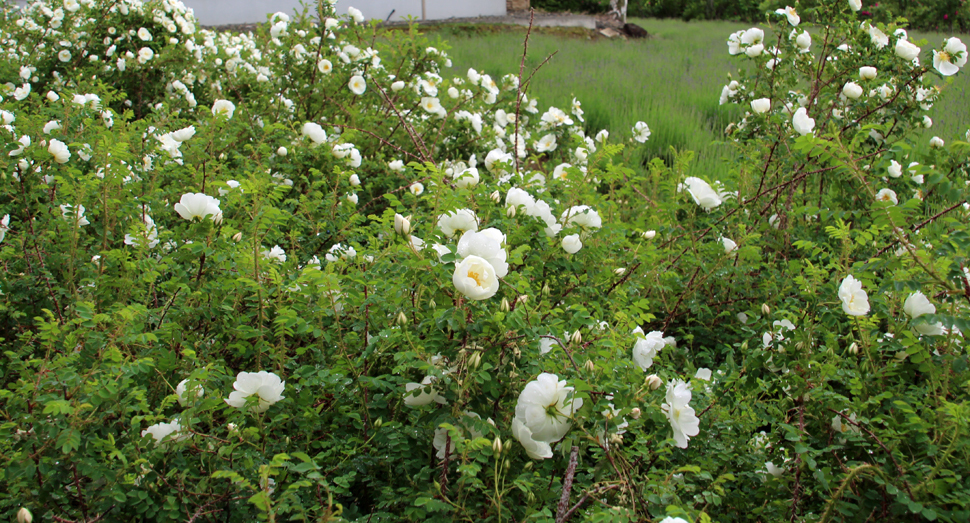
(671, 81)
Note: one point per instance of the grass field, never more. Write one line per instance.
(672, 81)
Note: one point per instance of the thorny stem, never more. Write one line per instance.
(879, 442)
(567, 485)
(518, 90)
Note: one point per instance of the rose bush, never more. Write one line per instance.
(333, 280)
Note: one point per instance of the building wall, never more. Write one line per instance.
(220, 12)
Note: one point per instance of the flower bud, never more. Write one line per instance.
(496, 196)
(281, 151)
(402, 225)
(402, 319)
(475, 360)
(354, 180)
(589, 365)
(577, 337)
(504, 307)
(510, 212)
(521, 300)
(616, 439)
(546, 289)
(237, 237)
(497, 445)
(649, 235)
(233, 428)
(432, 304)
(378, 422)
(765, 309)
(635, 413)
(619, 272)
(854, 349)
(24, 515)
(506, 464)
(653, 381)
(528, 466)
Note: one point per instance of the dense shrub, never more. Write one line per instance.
(307, 274)
(938, 15)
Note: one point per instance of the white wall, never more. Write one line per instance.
(219, 12)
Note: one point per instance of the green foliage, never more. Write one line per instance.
(326, 342)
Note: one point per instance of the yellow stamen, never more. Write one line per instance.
(475, 276)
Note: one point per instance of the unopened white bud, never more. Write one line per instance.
(765, 309)
(577, 337)
(237, 237)
(24, 515)
(653, 381)
(546, 289)
(402, 225)
(475, 360)
(635, 413)
(590, 367)
(854, 349)
(521, 300)
(402, 319)
(281, 151)
(620, 271)
(504, 307)
(378, 422)
(432, 304)
(497, 445)
(649, 235)
(496, 196)
(510, 212)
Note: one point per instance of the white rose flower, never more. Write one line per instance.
(160, 431)
(646, 347)
(867, 73)
(466, 178)
(703, 194)
(641, 132)
(855, 5)
(357, 84)
(572, 244)
(895, 169)
(729, 245)
(791, 14)
(546, 143)
(583, 216)
(802, 123)
(59, 150)
(223, 108)
(544, 408)
(355, 14)
(475, 278)
(265, 385)
(906, 50)
(953, 56)
(887, 195)
(855, 302)
(682, 419)
(461, 220)
(761, 105)
(183, 387)
(314, 132)
(198, 205)
(486, 244)
(852, 90)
